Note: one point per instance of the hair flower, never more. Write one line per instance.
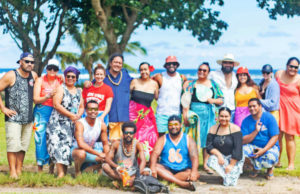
(151, 68)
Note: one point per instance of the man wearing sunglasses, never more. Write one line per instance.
(85, 150)
(178, 156)
(123, 155)
(170, 89)
(18, 86)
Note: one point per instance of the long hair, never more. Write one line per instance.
(249, 82)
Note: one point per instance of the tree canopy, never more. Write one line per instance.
(118, 19)
(37, 26)
(290, 8)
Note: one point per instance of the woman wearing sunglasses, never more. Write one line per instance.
(269, 92)
(143, 91)
(68, 105)
(44, 90)
(289, 106)
(225, 144)
(201, 97)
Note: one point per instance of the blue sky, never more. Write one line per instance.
(251, 36)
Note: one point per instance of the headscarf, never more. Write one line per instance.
(73, 70)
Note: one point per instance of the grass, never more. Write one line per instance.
(33, 179)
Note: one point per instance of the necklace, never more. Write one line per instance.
(127, 153)
(116, 84)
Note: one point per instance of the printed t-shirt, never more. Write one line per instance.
(268, 130)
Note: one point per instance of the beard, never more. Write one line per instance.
(25, 70)
(227, 69)
(175, 134)
(171, 71)
(128, 140)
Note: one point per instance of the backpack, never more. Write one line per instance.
(149, 184)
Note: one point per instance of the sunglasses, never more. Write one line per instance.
(50, 68)
(173, 124)
(266, 73)
(128, 132)
(169, 64)
(71, 76)
(29, 62)
(204, 70)
(293, 67)
(92, 109)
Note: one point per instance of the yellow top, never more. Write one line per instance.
(242, 99)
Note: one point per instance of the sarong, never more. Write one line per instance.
(267, 160)
(229, 179)
(193, 129)
(240, 114)
(41, 115)
(145, 122)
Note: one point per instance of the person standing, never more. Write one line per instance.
(245, 90)
(119, 80)
(289, 111)
(44, 89)
(170, 84)
(18, 85)
(227, 80)
(143, 91)
(269, 91)
(68, 108)
(204, 94)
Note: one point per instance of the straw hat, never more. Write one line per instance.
(228, 57)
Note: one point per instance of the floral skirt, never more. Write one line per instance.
(229, 179)
(145, 122)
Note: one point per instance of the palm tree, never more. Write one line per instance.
(93, 48)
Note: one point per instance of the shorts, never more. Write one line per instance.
(17, 136)
(91, 158)
(115, 130)
(162, 123)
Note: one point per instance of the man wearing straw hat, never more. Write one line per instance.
(227, 80)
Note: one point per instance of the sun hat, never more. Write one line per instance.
(267, 68)
(242, 70)
(53, 62)
(24, 55)
(171, 59)
(228, 57)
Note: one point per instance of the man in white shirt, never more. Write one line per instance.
(227, 80)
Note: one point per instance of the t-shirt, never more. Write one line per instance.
(100, 94)
(268, 130)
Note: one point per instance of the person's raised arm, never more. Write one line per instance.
(158, 78)
(194, 156)
(140, 151)
(7, 80)
(104, 138)
(159, 145)
(250, 137)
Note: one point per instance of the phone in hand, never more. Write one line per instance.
(254, 153)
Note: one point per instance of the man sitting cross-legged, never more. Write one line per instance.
(178, 156)
(123, 155)
(87, 131)
(260, 138)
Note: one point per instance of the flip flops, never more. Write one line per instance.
(253, 174)
(209, 171)
(191, 186)
(270, 176)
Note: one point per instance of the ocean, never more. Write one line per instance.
(189, 73)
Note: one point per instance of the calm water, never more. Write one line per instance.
(189, 73)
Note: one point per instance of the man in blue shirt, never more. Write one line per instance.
(119, 80)
(260, 138)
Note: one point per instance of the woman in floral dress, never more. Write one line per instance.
(68, 105)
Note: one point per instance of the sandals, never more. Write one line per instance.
(253, 174)
(209, 171)
(270, 176)
(191, 186)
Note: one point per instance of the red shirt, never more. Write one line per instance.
(100, 94)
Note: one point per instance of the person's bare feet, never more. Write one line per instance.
(13, 176)
(289, 168)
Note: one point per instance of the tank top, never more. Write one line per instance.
(19, 97)
(176, 156)
(168, 102)
(126, 161)
(46, 88)
(90, 133)
(242, 99)
(143, 98)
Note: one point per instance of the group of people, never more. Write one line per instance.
(111, 124)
